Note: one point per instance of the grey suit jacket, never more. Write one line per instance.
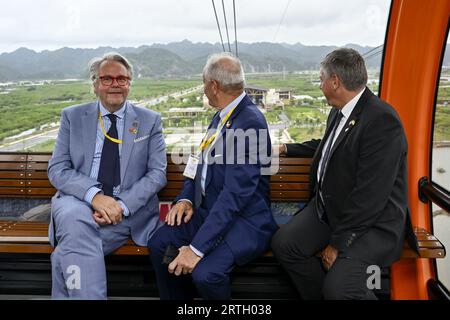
(142, 165)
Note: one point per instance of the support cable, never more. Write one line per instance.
(226, 25)
(218, 25)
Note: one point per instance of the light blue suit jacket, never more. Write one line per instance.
(143, 163)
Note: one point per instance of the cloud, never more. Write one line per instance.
(50, 24)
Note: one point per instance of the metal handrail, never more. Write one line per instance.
(430, 191)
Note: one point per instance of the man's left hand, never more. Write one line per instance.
(185, 262)
(100, 219)
(328, 255)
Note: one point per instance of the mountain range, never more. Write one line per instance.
(176, 59)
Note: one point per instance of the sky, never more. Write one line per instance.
(52, 24)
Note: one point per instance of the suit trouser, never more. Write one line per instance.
(296, 244)
(210, 276)
(78, 265)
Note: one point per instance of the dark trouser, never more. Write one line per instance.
(295, 246)
(210, 276)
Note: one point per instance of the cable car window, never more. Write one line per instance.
(440, 171)
(43, 66)
(45, 47)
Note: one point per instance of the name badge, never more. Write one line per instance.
(191, 167)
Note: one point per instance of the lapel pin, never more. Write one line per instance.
(133, 130)
(350, 124)
(228, 124)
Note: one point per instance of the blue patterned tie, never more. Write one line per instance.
(109, 172)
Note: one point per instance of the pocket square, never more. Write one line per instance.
(141, 138)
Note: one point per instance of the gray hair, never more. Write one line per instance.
(225, 69)
(348, 65)
(94, 64)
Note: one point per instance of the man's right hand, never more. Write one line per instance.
(108, 208)
(281, 148)
(176, 213)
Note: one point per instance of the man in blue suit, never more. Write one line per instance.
(108, 164)
(222, 217)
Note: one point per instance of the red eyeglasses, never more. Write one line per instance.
(121, 80)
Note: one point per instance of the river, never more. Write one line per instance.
(441, 221)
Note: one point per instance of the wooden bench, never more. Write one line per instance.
(24, 176)
(24, 246)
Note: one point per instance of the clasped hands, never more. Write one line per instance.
(106, 210)
(186, 260)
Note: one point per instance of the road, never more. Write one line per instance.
(29, 142)
(152, 101)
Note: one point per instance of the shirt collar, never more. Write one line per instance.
(119, 113)
(233, 103)
(348, 108)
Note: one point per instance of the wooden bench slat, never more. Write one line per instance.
(294, 161)
(292, 169)
(31, 237)
(36, 175)
(174, 177)
(38, 183)
(290, 178)
(25, 248)
(174, 185)
(178, 168)
(17, 175)
(289, 195)
(175, 168)
(22, 233)
(37, 166)
(13, 157)
(169, 194)
(13, 183)
(289, 186)
(131, 250)
(39, 157)
(41, 191)
(18, 166)
(23, 239)
(12, 191)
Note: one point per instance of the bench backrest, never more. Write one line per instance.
(25, 175)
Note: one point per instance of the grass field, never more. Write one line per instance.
(29, 107)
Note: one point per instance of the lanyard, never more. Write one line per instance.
(208, 141)
(104, 131)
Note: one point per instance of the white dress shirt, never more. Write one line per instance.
(346, 112)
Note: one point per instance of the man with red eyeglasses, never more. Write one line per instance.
(108, 165)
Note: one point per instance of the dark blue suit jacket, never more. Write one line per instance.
(236, 206)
